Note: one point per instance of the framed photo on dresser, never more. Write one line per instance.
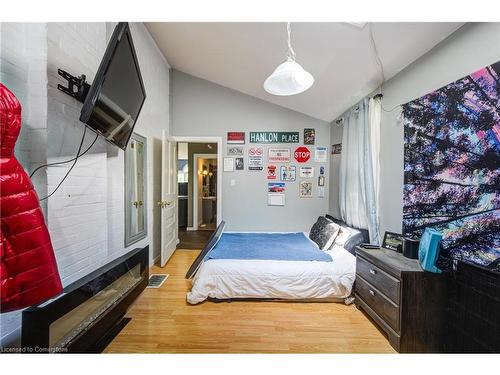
(393, 241)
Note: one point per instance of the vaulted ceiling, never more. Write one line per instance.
(340, 56)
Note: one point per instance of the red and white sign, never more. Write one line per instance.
(278, 155)
(302, 154)
(255, 159)
(271, 172)
(236, 137)
(255, 151)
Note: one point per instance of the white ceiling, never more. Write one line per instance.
(340, 56)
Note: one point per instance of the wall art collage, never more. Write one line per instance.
(282, 162)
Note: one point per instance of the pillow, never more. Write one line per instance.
(323, 232)
(348, 238)
(343, 236)
(334, 219)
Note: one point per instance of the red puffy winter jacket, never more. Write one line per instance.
(28, 269)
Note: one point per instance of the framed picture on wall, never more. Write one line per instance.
(337, 149)
(321, 155)
(255, 159)
(240, 165)
(307, 172)
(236, 138)
(309, 136)
(305, 189)
(272, 172)
(278, 155)
(288, 173)
(235, 151)
(228, 164)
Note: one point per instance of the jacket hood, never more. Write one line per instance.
(10, 121)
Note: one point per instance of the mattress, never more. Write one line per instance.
(275, 279)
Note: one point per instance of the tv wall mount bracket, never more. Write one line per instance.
(77, 87)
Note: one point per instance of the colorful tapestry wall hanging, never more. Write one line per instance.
(452, 167)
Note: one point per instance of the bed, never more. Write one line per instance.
(276, 266)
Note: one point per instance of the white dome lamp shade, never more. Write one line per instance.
(289, 78)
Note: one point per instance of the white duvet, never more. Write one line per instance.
(279, 279)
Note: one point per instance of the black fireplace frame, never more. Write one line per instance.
(36, 320)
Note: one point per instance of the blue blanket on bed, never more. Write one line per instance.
(267, 246)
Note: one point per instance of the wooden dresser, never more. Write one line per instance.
(406, 302)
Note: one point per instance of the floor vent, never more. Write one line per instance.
(157, 280)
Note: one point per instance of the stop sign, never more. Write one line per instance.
(302, 154)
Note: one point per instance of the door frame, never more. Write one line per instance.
(217, 140)
(169, 195)
(195, 186)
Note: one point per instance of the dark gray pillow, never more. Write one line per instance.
(323, 232)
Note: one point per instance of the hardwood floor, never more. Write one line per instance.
(163, 322)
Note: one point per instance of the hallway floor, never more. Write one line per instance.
(193, 239)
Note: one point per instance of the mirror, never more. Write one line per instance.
(135, 190)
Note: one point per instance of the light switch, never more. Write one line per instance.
(233, 182)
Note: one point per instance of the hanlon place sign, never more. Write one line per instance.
(274, 137)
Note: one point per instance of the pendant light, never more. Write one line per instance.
(289, 78)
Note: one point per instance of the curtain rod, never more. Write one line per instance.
(377, 96)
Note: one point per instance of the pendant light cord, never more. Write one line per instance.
(382, 71)
(291, 53)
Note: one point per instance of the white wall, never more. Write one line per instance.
(201, 108)
(86, 215)
(470, 48)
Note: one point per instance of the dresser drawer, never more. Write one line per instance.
(385, 308)
(381, 280)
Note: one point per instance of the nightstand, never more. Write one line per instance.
(406, 302)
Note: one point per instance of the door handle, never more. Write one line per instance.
(164, 204)
(373, 272)
(372, 292)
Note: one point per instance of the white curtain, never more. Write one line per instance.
(358, 167)
(374, 113)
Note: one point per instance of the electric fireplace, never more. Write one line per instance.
(89, 312)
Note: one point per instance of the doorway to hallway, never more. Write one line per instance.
(199, 189)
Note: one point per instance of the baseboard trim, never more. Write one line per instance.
(191, 228)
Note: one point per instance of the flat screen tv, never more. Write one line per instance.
(117, 94)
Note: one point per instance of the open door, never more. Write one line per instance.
(168, 203)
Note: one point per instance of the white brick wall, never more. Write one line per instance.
(86, 215)
(77, 213)
(77, 216)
